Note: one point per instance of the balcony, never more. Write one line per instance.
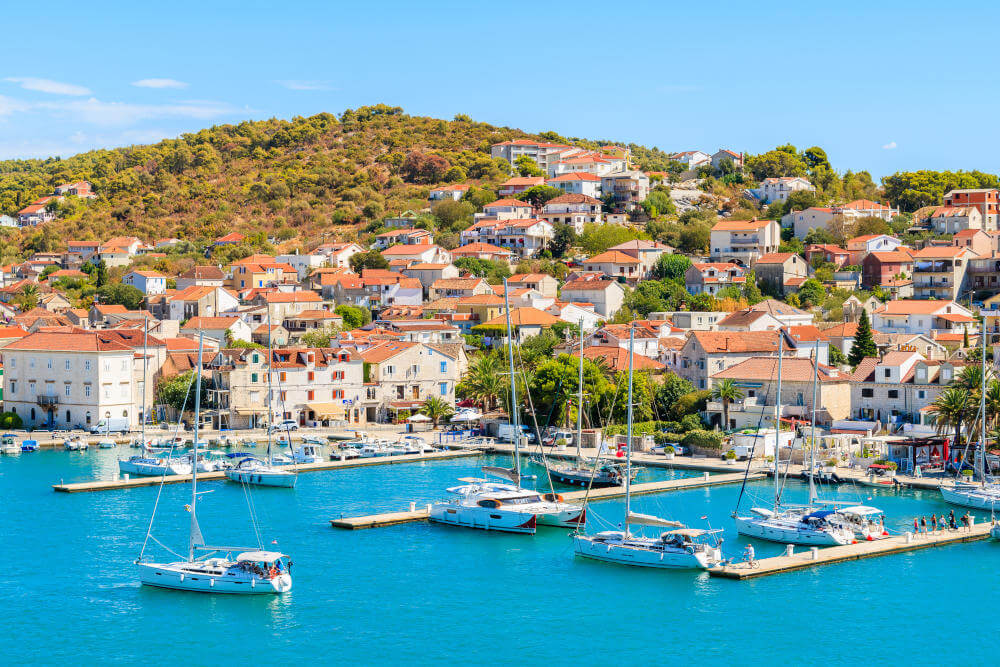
(933, 267)
(46, 400)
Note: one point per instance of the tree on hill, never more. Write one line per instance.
(494, 272)
(864, 342)
(353, 316)
(671, 267)
(424, 168)
(598, 238)
(372, 259)
(539, 195)
(564, 236)
(776, 163)
(121, 294)
(525, 166)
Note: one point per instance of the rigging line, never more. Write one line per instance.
(534, 417)
(760, 420)
(159, 491)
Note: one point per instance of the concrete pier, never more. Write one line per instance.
(804, 558)
(111, 485)
(395, 518)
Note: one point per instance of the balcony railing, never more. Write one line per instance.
(45, 400)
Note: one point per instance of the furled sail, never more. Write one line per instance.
(650, 520)
(506, 473)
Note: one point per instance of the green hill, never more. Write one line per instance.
(299, 178)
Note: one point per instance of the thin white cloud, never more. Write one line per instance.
(305, 85)
(48, 86)
(159, 83)
(9, 105)
(889, 146)
(112, 114)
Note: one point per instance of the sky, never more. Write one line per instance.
(883, 86)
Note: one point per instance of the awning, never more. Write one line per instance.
(249, 411)
(405, 405)
(324, 410)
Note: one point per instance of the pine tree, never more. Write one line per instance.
(864, 343)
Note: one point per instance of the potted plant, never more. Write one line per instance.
(730, 457)
(668, 452)
(561, 444)
(831, 465)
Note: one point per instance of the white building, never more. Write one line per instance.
(67, 380)
(149, 282)
(778, 189)
(577, 183)
(744, 241)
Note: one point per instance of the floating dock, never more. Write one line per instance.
(807, 558)
(395, 518)
(133, 482)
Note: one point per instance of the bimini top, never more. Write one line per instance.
(819, 514)
(861, 510)
(260, 556)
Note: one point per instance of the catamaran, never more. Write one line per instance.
(809, 524)
(981, 493)
(510, 507)
(269, 471)
(680, 547)
(251, 571)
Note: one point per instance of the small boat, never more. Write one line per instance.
(412, 444)
(106, 444)
(867, 523)
(339, 437)
(8, 444)
(75, 444)
(29, 445)
(879, 476)
(479, 505)
(225, 441)
(343, 453)
(252, 470)
(376, 449)
(313, 440)
(148, 466)
(307, 453)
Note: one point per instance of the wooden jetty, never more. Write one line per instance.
(395, 518)
(133, 482)
(808, 558)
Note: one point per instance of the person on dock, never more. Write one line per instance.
(749, 553)
(951, 521)
(916, 526)
(941, 522)
(966, 523)
(923, 524)
(933, 523)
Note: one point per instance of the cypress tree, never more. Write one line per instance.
(864, 343)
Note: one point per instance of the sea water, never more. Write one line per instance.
(423, 593)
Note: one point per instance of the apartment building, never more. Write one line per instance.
(743, 241)
(923, 317)
(399, 376)
(939, 272)
(987, 200)
(706, 353)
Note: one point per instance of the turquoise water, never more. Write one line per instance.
(422, 593)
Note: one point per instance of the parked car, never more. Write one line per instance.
(286, 425)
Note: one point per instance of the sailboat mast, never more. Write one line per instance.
(145, 360)
(812, 429)
(628, 433)
(270, 416)
(579, 410)
(513, 388)
(195, 530)
(777, 418)
(981, 457)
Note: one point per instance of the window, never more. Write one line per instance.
(86, 365)
(311, 376)
(893, 393)
(253, 377)
(68, 364)
(282, 376)
(310, 395)
(283, 394)
(107, 391)
(31, 388)
(13, 386)
(124, 364)
(13, 362)
(443, 388)
(867, 393)
(67, 389)
(389, 370)
(49, 362)
(888, 372)
(921, 393)
(107, 364)
(31, 362)
(256, 360)
(86, 393)
(444, 366)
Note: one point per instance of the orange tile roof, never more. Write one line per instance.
(740, 225)
(715, 342)
(525, 317)
(616, 358)
(612, 257)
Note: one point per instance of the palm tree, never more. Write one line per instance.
(27, 297)
(993, 402)
(436, 408)
(952, 406)
(726, 391)
(483, 382)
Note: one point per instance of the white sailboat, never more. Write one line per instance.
(251, 571)
(678, 548)
(264, 472)
(980, 494)
(808, 525)
(508, 506)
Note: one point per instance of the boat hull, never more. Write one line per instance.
(770, 531)
(278, 478)
(152, 469)
(623, 553)
(570, 517)
(484, 518)
(972, 498)
(176, 576)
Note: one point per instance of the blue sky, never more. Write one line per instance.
(882, 86)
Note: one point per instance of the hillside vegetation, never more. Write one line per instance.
(297, 178)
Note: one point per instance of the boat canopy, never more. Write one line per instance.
(650, 520)
(260, 556)
(819, 514)
(689, 532)
(861, 510)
